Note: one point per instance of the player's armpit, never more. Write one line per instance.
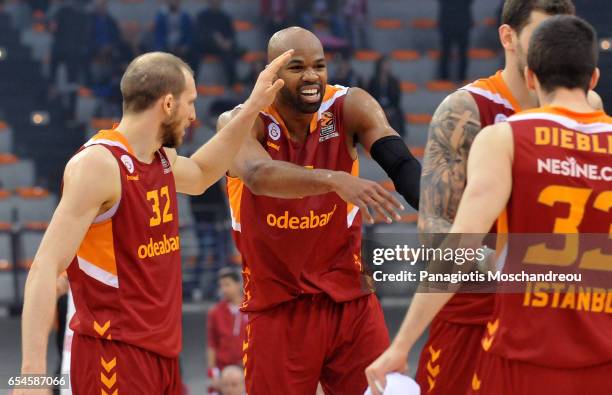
(489, 180)
(451, 132)
(84, 195)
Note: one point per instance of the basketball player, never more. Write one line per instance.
(296, 206)
(529, 350)
(116, 231)
(455, 333)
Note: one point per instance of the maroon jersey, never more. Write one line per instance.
(312, 245)
(126, 276)
(495, 104)
(561, 171)
(226, 326)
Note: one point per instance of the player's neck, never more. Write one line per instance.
(571, 99)
(516, 83)
(297, 123)
(141, 132)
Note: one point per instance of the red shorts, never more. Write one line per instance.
(448, 359)
(99, 366)
(499, 376)
(293, 346)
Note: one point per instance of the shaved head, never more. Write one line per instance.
(294, 37)
(305, 75)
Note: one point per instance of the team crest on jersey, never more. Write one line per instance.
(328, 127)
(501, 118)
(274, 131)
(128, 163)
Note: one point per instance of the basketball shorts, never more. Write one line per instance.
(100, 366)
(496, 375)
(293, 346)
(448, 359)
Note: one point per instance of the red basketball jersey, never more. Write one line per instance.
(126, 276)
(561, 178)
(495, 104)
(312, 245)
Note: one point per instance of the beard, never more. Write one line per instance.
(170, 132)
(521, 60)
(295, 100)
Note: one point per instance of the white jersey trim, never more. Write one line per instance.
(350, 217)
(590, 128)
(97, 273)
(494, 97)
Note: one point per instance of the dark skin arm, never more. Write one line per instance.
(264, 176)
(451, 133)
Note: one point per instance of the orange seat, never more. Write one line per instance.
(4, 194)
(409, 87)
(5, 226)
(3, 126)
(388, 23)
(36, 225)
(211, 90)
(387, 185)
(102, 123)
(85, 92)
(417, 151)
(250, 57)
(433, 54)
(440, 86)
(5, 265)
(32, 192)
(405, 55)
(242, 26)
(409, 218)
(26, 263)
(424, 23)
(367, 55)
(8, 159)
(489, 21)
(481, 53)
(211, 59)
(417, 118)
(39, 27)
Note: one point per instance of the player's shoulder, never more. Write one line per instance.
(458, 102)
(93, 159)
(357, 97)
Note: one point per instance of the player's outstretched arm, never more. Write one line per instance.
(82, 198)
(276, 178)
(451, 132)
(195, 174)
(367, 121)
(489, 183)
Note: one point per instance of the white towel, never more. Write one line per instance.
(398, 384)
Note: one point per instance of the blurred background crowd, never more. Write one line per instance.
(61, 62)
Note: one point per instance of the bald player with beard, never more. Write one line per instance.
(296, 205)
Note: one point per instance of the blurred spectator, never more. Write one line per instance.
(385, 88)
(173, 30)
(232, 381)
(303, 14)
(70, 39)
(355, 18)
(215, 35)
(345, 74)
(455, 23)
(39, 4)
(105, 34)
(274, 13)
(226, 324)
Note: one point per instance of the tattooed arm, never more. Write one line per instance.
(451, 133)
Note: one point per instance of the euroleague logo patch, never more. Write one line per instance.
(274, 131)
(328, 127)
(129, 164)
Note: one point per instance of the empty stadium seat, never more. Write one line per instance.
(6, 274)
(7, 209)
(15, 173)
(34, 207)
(6, 138)
(416, 135)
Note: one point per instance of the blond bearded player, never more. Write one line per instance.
(116, 232)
